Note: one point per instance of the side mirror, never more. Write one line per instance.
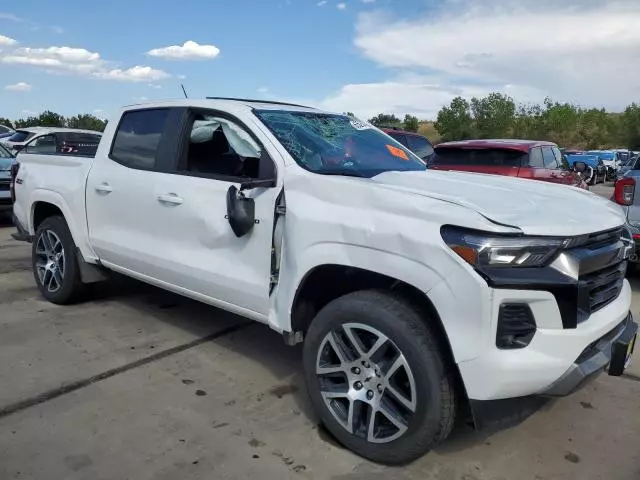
(17, 148)
(241, 212)
(580, 167)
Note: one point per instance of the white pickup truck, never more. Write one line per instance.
(421, 296)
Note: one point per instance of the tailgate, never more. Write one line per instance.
(488, 169)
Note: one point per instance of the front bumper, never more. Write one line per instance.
(22, 234)
(612, 353)
(553, 351)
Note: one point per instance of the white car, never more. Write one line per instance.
(47, 138)
(419, 295)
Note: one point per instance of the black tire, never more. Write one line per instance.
(71, 287)
(434, 415)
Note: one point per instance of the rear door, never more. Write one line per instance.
(565, 174)
(121, 204)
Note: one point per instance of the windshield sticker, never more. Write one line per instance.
(397, 152)
(359, 125)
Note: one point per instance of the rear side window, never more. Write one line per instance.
(420, 146)
(20, 136)
(479, 156)
(137, 138)
(78, 144)
(549, 158)
(400, 137)
(535, 158)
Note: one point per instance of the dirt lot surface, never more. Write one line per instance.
(139, 384)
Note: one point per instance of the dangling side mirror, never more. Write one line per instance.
(241, 212)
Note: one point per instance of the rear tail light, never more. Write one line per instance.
(624, 191)
(15, 168)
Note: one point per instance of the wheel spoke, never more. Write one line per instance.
(52, 279)
(371, 429)
(399, 362)
(330, 369)
(407, 403)
(376, 346)
(58, 278)
(393, 418)
(353, 339)
(338, 348)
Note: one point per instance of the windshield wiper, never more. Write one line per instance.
(343, 172)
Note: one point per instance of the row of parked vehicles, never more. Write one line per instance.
(423, 295)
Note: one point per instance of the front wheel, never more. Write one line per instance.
(55, 266)
(377, 377)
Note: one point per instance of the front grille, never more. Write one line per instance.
(604, 286)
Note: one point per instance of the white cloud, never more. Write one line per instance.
(157, 87)
(19, 87)
(6, 41)
(79, 61)
(189, 51)
(29, 113)
(341, 6)
(263, 90)
(56, 29)
(133, 74)
(526, 48)
(322, 3)
(368, 1)
(10, 16)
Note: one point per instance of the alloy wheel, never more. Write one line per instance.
(366, 382)
(50, 260)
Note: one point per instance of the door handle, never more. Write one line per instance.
(170, 199)
(104, 188)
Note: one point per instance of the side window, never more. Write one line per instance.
(559, 158)
(420, 146)
(137, 138)
(44, 145)
(549, 158)
(400, 137)
(218, 146)
(535, 158)
(78, 144)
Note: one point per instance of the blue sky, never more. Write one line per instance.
(366, 56)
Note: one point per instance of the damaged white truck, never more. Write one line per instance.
(421, 297)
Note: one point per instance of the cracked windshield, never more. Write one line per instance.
(338, 144)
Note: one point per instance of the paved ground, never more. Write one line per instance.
(138, 384)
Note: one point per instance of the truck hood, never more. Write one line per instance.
(535, 207)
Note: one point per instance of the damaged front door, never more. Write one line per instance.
(200, 251)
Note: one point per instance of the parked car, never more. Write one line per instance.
(4, 129)
(418, 144)
(596, 168)
(610, 159)
(419, 294)
(52, 140)
(512, 158)
(6, 162)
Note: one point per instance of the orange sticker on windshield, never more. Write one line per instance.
(397, 152)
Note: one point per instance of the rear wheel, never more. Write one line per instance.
(377, 377)
(55, 266)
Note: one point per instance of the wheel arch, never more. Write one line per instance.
(46, 203)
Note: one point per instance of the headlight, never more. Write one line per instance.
(482, 249)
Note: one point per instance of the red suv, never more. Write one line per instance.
(415, 142)
(513, 158)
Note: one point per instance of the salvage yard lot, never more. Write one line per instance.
(139, 384)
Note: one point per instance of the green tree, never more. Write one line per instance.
(630, 126)
(86, 122)
(349, 114)
(455, 121)
(411, 123)
(593, 129)
(385, 120)
(6, 122)
(494, 115)
(27, 122)
(51, 119)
